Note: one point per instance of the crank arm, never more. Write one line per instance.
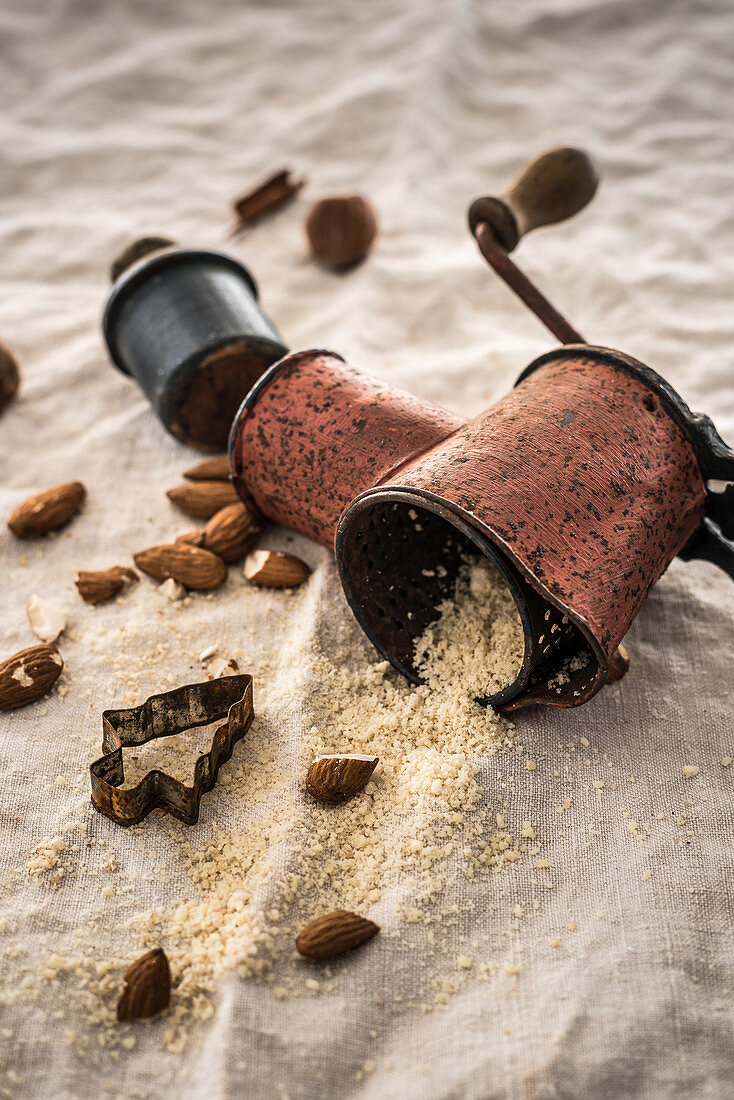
(708, 544)
(553, 187)
(714, 539)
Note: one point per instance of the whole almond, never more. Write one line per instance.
(99, 585)
(275, 569)
(337, 778)
(9, 375)
(47, 511)
(146, 987)
(619, 663)
(28, 675)
(231, 532)
(336, 932)
(196, 538)
(203, 498)
(189, 565)
(211, 469)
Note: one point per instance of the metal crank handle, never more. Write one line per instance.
(552, 187)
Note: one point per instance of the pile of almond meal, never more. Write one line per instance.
(386, 853)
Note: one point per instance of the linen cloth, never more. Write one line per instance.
(127, 118)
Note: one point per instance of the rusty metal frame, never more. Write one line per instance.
(173, 712)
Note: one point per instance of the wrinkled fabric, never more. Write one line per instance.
(144, 118)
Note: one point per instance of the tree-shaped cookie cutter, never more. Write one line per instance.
(172, 712)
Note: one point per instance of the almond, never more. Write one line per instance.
(189, 565)
(47, 621)
(275, 569)
(619, 663)
(99, 585)
(203, 498)
(221, 667)
(336, 932)
(47, 511)
(337, 778)
(28, 675)
(196, 538)
(231, 532)
(211, 469)
(147, 987)
(9, 375)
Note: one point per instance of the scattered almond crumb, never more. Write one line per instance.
(47, 621)
(171, 590)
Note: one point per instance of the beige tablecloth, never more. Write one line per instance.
(126, 118)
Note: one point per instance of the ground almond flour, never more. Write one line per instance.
(418, 824)
(476, 646)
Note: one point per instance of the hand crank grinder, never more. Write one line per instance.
(581, 484)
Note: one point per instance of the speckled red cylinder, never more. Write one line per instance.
(582, 480)
(315, 432)
(581, 476)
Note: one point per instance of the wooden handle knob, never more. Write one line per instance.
(553, 187)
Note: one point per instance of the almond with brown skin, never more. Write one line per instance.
(28, 675)
(9, 375)
(203, 498)
(196, 538)
(275, 569)
(99, 585)
(189, 565)
(231, 532)
(337, 778)
(619, 663)
(336, 932)
(147, 987)
(211, 469)
(47, 511)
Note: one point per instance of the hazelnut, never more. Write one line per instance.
(9, 375)
(341, 229)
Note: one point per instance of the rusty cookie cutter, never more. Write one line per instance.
(160, 716)
(581, 485)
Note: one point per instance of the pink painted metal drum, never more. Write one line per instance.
(581, 485)
(314, 432)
